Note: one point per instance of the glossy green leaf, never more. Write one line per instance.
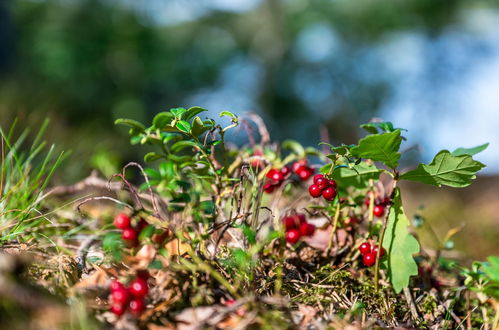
(358, 176)
(446, 169)
(152, 156)
(470, 151)
(294, 146)
(400, 246)
(380, 147)
(375, 128)
(162, 119)
(183, 126)
(191, 112)
(131, 123)
(178, 112)
(228, 114)
(198, 126)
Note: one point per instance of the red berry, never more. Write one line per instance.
(317, 177)
(129, 234)
(292, 236)
(118, 309)
(269, 188)
(314, 191)
(143, 274)
(275, 175)
(301, 218)
(329, 193)
(386, 201)
(289, 222)
(322, 183)
(299, 164)
(122, 221)
(285, 171)
(332, 183)
(142, 224)
(116, 285)
(307, 229)
(379, 210)
(365, 248)
(369, 259)
(138, 288)
(304, 173)
(137, 306)
(381, 253)
(230, 302)
(120, 296)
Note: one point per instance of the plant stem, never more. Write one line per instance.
(335, 224)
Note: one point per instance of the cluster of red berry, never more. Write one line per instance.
(297, 226)
(323, 187)
(129, 233)
(369, 254)
(302, 169)
(379, 205)
(131, 298)
(276, 178)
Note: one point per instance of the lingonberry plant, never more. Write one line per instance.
(204, 192)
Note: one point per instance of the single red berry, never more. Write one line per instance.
(118, 309)
(143, 274)
(230, 302)
(292, 236)
(275, 175)
(301, 218)
(122, 221)
(129, 234)
(329, 193)
(314, 191)
(381, 253)
(137, 306)
(298, 164)
(365, 248)
(332, 183)
(369, 259)
(138, 288)
(378, 210)
(386, 201)
(120, 296)
(317, 177)
(307, 229)
(142, 224)
(305, 173)
(268, 188)
(285, 171)
(116, 285)
(322, 183)
(289, 222)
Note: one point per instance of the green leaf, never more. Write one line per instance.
(162, 119)
(400, 246)
(131, 123)
(178, 112)
(181, 145)
(343, 149)
(191, 112)
(294, 146)
(183, 126)
(380, 147)
(491, 268)
(198, 126)
(358, 176)
(446, 169)
(372, 128)
(152, 156)
(228, 114)
(470, 151)
(147, 232)
(113, 244)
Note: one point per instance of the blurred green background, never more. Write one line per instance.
(431, 66)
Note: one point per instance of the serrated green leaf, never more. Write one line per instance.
(400, 246)
(147, 232)
(470, 151)
(380, 147)
(294, 146)
(152, 156)
(446, 169)
(372, 128)
(191, 112)
(131, 123)
(358, 176)
(183, 126)
(198, 126)
(162, 119)
(181, 145)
